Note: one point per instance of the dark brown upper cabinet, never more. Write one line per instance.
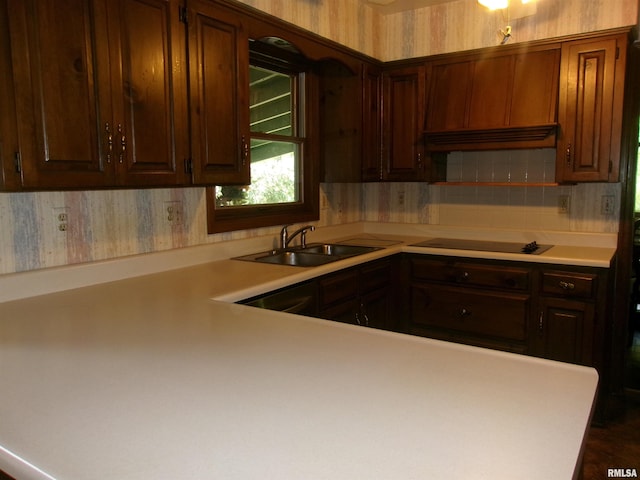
(99, 93)
(403, 121)
(219, 95)
(351, 122)
(591, 107)
(495, 98)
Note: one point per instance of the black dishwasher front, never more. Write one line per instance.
(300, 298)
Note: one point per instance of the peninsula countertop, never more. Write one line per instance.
(139, 379)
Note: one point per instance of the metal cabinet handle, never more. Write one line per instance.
(567, 285)
(245, 150)
(363, 310)
(123, 142)
(107, 129)
(541, 322)
(568, 155)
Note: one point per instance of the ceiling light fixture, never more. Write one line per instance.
(498, 4)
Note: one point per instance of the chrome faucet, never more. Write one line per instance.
(285, 238)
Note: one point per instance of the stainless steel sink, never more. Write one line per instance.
(310, 256)
(296, 259)
(337, 250)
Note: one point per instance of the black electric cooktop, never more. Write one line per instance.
(484, 245)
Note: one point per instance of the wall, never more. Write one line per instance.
(109, 224)
(464, 25)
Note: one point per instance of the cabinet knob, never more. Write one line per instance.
(465, 313)
(464, 276)
(567, 286)
(568, 155)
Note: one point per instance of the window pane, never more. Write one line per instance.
(270, 102)
(275, 177)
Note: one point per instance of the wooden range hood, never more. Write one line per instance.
(502, 97)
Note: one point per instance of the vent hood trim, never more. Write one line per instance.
(530, 136)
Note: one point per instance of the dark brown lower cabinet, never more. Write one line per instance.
(565, 331)
(570, 324)
(482, 303)
(361, 295)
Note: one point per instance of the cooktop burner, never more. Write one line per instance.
(484, 245)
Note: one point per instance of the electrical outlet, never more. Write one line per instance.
(401, 198)
(564, 203)
(61, 218)
(173, 212)
(607, 204)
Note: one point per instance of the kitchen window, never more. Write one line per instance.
(282, 150)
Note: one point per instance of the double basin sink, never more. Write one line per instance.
(311, 255)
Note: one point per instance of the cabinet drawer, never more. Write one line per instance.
(338, 287)
(477, 312)
(495, 276)
(569, 284)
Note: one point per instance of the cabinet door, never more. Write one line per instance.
(9, 174)
(347, 311)
(375, 308)
(371, 123)
(403, 99)
(219, 96)
(148, 66)
(590, 110)
(351, 122)
(61, 75)
(565, 331)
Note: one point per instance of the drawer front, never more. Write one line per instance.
(569, 284)
(338, 287)
(377, 275)
(493, 276)
(476, 312)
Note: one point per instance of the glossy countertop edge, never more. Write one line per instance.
(210, 260)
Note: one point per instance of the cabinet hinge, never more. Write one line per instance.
(188, 166)
(17, 162)
(610, 166)
(617, 53)
(182, 15)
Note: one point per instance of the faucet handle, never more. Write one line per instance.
(303, 234)
(284, 236)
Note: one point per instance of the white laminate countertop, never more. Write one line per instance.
(140, 380)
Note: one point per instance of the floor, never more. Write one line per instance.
(617, 445)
